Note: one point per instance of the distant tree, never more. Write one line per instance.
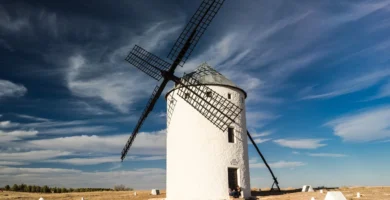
(64, 190)
(71, 190)
(33, 188)
(120, 187)
(29, 188)
(38, 189)
(7, 187)
(15, 188)
(45, 189)
(58, 190)
(21, 187)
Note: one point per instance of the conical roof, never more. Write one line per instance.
(206, 75)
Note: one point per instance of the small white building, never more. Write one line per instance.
(203, 162)
(335, 195)
(307, 188)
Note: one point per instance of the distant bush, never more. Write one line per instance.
(46, 189)
(7, 187)
(122, 187)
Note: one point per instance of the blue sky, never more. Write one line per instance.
(317, 76)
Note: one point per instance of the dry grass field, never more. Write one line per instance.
(368, 193)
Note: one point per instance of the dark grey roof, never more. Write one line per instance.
(205, 74)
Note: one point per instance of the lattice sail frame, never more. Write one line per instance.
(216, 108)
(145, 113)
(147, 62)
(200, 22)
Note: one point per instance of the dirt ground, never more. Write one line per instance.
(368, 193)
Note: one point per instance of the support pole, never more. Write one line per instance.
(265, 162)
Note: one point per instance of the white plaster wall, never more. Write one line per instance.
(199, 154)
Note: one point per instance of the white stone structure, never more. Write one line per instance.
(335, 195)
(199, 155)
(155, 192)
(307, 188)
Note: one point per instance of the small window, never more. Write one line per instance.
(231, 134)
(229, 96)
(208, 94)
(186, 95)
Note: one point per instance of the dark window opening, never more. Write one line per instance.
(186, 95)
(208, 94)
(231, 135)
(232, 178)
(229, 96)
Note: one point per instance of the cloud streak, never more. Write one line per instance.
(279, 164)
(300, 143)
(368, 125)
(146, 144)
(332, 155)
(10, 89)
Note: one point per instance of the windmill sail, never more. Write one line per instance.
(147, 62)
(158, 68)
(149, 107)
(216, 108)
(195, 29)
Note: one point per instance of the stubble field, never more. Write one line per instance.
(368, 193)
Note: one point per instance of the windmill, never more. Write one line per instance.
(217, 109)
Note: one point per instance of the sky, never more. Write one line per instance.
(316, 72)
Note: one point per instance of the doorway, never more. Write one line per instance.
(233, 178)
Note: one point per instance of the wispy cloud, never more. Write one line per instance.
(346, 85)
(77, 130)
(370, 124)
(119, 86)
(7, 124)
(33, 118)
(8, 136)
(279, 164)
(258, 137)
(38, 155)
(259, 119)
(87, 161)
(384, 91)
(260, 140)
(106, 159)
(9, 24)
(301, 143)
(261, 134)
(146, 144)
(332, 155)
(11, 163)
(10, 89)
(18, 171)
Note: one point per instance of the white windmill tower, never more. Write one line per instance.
(200, 156)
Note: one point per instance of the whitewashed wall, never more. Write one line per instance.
(199, 154)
